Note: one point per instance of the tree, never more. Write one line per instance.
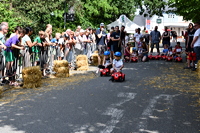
(11, 16)
(151, 7)
(190, 10)
(126, 7)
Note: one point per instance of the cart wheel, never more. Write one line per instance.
(124, 78)
(112, 79)
(101, 74)
(107, 74)
(120, 79)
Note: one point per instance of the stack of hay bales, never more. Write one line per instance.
(82, 63)
(32, 77)
(61, 68)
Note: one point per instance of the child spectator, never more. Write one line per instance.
(145, 51)
(140, 48)
(117, 64)
(127, 52)
(170, 52)
(107, 61)
(165, 50)
(134, 52)
(177, 50)
(36, 47)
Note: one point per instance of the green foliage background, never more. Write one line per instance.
(88, 13)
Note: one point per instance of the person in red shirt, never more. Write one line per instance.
(178, 50)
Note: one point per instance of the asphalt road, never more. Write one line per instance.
(149, 101)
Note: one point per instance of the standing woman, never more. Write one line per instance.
(189, 49)
(166, 37)
(48, 34)
(190, 32)
(27, 43)
(69, 48)
(88, 47)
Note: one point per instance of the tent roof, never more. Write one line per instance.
(130, 26)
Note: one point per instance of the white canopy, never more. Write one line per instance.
(130, 26)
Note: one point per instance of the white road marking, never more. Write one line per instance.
(147, 113)
(9, 129)
(116, 114)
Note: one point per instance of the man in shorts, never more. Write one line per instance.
(101, 41)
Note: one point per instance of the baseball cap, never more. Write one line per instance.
(101, 24)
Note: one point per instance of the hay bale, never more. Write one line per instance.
(61, 68)
(60, 63)
(1, 90)
(94, 59)
(198, 68)
(32, 77)
(82, 63)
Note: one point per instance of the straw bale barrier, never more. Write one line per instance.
(198, 68)
(1, 90)
(94, 59)
(82, 63)
(32, 77)
(61, 68)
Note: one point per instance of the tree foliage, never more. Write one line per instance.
(151, 7)
(190, 10)
(11, 16)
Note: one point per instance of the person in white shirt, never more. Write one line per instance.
(137, 37)
(117, 64)
(196, 43)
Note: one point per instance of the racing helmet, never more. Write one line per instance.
(118, 54)
(106, 53)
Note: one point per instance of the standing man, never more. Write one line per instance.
(155, 39)
(115, 37)
(3, 31)
(101, 41)
(196, 43)
(122, 40)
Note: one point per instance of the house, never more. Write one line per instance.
(172, 21)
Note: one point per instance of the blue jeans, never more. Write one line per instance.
(197, 51)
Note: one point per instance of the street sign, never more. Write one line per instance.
(159, 21)
(68, 16)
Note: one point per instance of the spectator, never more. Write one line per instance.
(27, 43)
(155, 39)
(115, 37)
(190, 34)
(196, 43)
(137, 37)
(166, 37)
(12, 56)
(101, 41)
(3, 32)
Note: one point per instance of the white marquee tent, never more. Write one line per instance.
(130, 26)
